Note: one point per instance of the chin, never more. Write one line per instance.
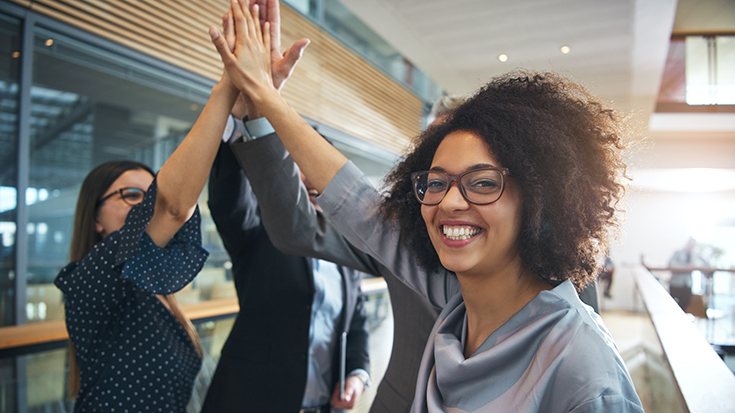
(454, 263)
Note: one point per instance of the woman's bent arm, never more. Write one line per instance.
(182, 177)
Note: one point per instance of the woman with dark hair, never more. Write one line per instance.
(496, 215)
(106, 198)
(137, 241)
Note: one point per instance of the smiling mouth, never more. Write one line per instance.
(313, 192)
(459, 233)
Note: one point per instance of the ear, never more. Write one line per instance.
(98, 228)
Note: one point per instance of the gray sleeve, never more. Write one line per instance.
(293, 224)
(350, 202)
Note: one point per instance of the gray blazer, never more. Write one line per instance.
(296, 227)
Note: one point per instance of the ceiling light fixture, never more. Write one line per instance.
(49, 42)
(503, 57)
(565, 49)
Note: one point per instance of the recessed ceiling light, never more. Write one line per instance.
(503, 57)
(49, 42)
(565, 49)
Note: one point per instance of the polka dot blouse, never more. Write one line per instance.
(133, 354)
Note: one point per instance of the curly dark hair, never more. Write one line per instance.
(564, 148)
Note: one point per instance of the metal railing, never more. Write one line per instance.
(702, 379)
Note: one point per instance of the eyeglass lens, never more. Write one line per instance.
(479, 187)
(132, 196)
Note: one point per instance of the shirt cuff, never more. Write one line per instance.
(233, 130)
(362, 375)
(229, 128)
(257, 128)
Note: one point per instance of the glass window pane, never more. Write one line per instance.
(725, 70)
(302, 6)
(697, 71)
(9, 77)
(89, 106)
(710, 64)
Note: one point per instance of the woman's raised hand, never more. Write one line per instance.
(248, 66)
(249, 69)
(282, 65)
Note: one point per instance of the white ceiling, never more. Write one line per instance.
(618, 47)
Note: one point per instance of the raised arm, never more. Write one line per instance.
(182, 177)
(249, 69)
(293, 224)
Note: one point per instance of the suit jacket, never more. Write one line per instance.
(263, 366)
(295, 226)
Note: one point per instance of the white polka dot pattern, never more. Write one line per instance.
(133, 354)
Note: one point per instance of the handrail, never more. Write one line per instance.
(704, 270)
(702, 378)
(13, 337)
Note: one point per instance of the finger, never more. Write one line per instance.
(349, 392)
(294, 54)
(256, 23)
(220, 44)
(348, 401)
(262, 10)
(274, 17)
(283, 67)
(266, 36)
(335, 402)
(240, 25)
(248, 20)
(263, 7)
(229, 29)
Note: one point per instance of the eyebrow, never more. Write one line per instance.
(471, 168)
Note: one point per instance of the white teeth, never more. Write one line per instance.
(459, 233)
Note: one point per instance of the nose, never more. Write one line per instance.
(454, 200)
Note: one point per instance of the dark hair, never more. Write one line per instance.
(562, 145)
(95, 185)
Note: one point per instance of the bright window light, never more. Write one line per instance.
(710, 70)
(685, 180)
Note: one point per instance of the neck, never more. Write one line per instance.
(492, 299)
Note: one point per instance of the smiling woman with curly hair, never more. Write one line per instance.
(495, 215)
(563, 147)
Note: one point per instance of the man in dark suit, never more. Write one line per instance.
(412, 314)
(296, 226)
(283, 352)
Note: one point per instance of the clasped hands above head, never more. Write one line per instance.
(250, 47)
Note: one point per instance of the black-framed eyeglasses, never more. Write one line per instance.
(130, 195)
(478, 186)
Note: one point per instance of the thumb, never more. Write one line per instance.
(294, 53)
(219, 42)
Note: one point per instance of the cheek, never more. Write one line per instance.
(427, 212)
(125, 211)
(117, 216)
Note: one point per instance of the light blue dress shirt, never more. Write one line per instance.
(328, 298)
(326, 311)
